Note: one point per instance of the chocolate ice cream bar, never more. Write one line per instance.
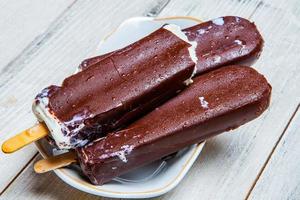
(217, 101)
(110, 93)
(222, 41)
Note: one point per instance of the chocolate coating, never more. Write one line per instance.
(223, 41)
(217, 101)
(112, 92)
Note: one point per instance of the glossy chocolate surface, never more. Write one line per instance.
(121, 86)
(217, 101)
(225, 40)
(129, 82)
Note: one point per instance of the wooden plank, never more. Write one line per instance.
(281, 178)
(31, 185)
(207, 10)
(23, 24)
(69, 40)
(231, 162)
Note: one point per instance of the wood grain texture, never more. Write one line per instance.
(281, 177)
(207, 10)
(31, 185)
(68, 40)
(23, 24)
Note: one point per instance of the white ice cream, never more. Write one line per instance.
(218, 21)
(54, 125)
(203, 102)
(176, 30)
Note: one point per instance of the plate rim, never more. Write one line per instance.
(89, 188)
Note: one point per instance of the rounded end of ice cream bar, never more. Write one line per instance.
(7, 148)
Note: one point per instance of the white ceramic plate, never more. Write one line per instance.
(154, 179)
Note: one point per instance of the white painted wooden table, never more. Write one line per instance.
(42, 41)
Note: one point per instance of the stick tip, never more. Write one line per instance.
(39, 167)
(7, 147)
(24, 138)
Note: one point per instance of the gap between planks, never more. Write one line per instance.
(261, 3)
(19, 173)
(19, 60)
(272, 152)
(256, 8)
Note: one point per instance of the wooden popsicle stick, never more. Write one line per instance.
(24, 138)
(55, 162)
